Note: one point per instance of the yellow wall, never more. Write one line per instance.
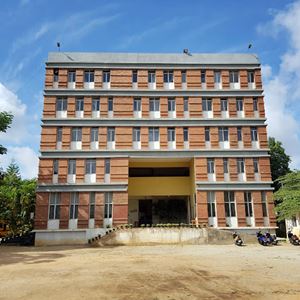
(159, 186)
(158, 164)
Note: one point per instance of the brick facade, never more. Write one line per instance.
(115, 129)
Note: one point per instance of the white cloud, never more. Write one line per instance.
(10, 102)
(24, 157)
(282, 90)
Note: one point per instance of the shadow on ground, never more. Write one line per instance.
(32, 255)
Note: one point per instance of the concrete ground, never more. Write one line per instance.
(150, 272)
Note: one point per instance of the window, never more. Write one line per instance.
(210, 166)
(225, 165)
(108, 205)
(110, 134)
(253, 134)
(203, 79)
(239, 134)
(211, 206)
(136, 104)
(90, 166)
(96, 105)
(74, 206)
(168, 76)
(239, 105)
(134, 76)
(59, 134)
(171, 134)
(106, 76)
(255, 165)
(136, 134)
(107, 166)
(79, 105)
(72, 167)
(61, 104)
(240, 165)
(264, 204)
(71, 76)
(94, 134)
(223, 134)
(233, 76)
(250, 76)
(89, 76)
(54, 206)
(153, 134)
(151, 76)
(186, 104)
(76, 134)
(207, 134)
(185, 134)
(248, 204)
(110, 104)
(171, 104)
(217, 76)
(183, 76)
(229, 204)
(224, 105)
(154, 104)
(206, 104)
(55, 167)
(55, 75)
(255, 106)
(92, 205)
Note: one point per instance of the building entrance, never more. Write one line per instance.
(163, 210)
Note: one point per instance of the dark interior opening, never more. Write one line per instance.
(159, 172)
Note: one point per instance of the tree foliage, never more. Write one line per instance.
(17, 200)
(5, 121)
(288, 196)
(279, 161)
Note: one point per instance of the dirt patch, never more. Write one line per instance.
(150, 272)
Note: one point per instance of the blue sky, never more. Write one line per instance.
(30, 28)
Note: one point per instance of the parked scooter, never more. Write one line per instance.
(294, 240)
(262, 239)
(272, 239)
(237, 239)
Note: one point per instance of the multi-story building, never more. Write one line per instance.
(152, 138)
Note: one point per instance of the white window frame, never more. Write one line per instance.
(229, 202)
(111, 134)
(72, 167)
(106, 76)
(90, 166)
(76, 134)
(171, 134)
(89, 76)
(153, 134)
(74, 203)
(168, 76)
(136, 134)
(210, 166)
(54, 206)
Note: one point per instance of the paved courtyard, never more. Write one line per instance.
(150, 272)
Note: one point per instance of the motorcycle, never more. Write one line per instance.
(262, 239)
(294, 240)
(237, 239)
(271, 238)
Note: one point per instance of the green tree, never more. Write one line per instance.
(279, 161)
(17, 200)
(5, 121)
(288, 196)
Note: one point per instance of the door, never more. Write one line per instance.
(145, 212)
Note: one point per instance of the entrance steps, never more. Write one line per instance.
(161, 236)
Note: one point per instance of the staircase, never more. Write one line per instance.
(160, 236)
